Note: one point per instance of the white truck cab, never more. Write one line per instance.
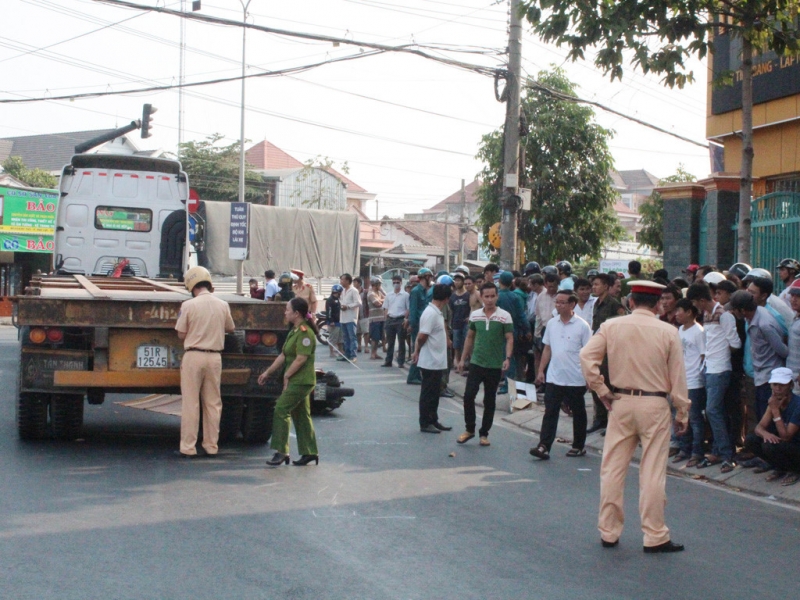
(125, 213)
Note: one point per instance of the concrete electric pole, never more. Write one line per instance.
(509, 199)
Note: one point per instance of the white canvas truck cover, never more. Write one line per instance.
(321, 243)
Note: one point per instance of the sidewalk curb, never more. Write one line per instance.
(739, 480)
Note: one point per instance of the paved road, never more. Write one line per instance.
(387, 514)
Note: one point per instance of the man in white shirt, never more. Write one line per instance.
(721, 337)
(271, 287)
(430, 356)
(564, 338)
(585, 306)
(395, 307)
(350, 302)
(693, 340)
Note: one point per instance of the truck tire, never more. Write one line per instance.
(231, 420)
(66, 416)
(257, 420)
(32, 415)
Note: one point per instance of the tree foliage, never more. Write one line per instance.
(316, 194)
(567, 168)
(37, 178)
(652, 211)
(213, 171)
(658, 36)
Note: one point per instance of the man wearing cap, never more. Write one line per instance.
(691, 271)
(775, 439)
(305, 291)
(395, 310)
(202, 324)
(645, 360)
(788, 269)
(417, 303)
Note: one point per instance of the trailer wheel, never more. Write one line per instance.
(231, 420)
(32, 415)
(257, 420)
(66, 416)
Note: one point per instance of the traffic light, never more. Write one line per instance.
(147, 119)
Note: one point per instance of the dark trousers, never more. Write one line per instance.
(763, 394)
(734, 409)
(394, 330)
(490, 378)
(413, 370)
(784, 456)
(429, 396)
(554, 395)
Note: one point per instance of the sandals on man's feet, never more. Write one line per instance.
(727, 466)
(790, 479)
(540, 452)
(573, 452)
(775, 476)
(694, 461)
(709, 461)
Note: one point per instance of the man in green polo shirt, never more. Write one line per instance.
(488, 348)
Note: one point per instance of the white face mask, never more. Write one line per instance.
(396, 287)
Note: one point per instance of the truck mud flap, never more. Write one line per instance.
(39, 366)
(166, 404)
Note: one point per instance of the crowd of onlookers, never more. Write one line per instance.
(741, 343)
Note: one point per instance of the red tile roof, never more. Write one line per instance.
(431, 233)
(352, 186)
(470, 189)
(265, 155)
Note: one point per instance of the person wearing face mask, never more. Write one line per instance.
(395, 309)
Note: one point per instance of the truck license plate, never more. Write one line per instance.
(152, 357)
(320, 392)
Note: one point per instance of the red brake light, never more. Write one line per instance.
(252, 338)
(55, 335)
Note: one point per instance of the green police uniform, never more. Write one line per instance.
(294, 403)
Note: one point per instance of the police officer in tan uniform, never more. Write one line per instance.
(305, 291)
(645, 364)
(202, 323)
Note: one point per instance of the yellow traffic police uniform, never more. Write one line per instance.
(294, 403)
(204, 319)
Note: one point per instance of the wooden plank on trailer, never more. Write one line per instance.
(165, 286)
(90, 287)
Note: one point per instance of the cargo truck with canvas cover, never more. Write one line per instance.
(104, 321)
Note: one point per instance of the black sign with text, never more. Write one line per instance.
(773, 76)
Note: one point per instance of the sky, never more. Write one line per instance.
(407, 127)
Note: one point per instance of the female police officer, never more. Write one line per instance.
(299, 380)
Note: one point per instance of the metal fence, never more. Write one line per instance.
(775, 233)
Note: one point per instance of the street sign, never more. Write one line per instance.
(192, 229)
(238, 245)
(194, 201)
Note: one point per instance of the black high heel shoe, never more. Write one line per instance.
(306, 459)
(278, 459)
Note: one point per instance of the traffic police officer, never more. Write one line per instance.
(202, 323)
(299, 379)
(645, 364)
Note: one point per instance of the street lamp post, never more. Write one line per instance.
(245, 6)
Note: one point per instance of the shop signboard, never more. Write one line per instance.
(27, 219)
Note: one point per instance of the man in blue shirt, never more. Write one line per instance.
(775, 439)
(513, 305)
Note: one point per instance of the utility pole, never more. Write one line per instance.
(509, 199)
(245, 6)
(446, 241)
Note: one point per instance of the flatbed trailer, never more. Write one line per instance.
(82, 337)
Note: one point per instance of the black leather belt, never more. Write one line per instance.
(395, 318)
(638, 392)
(201, 350)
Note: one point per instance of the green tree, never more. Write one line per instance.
(213, 171)
(37, 178)
(567, 167)
(317, 193)
(659, 36)
(652, 211)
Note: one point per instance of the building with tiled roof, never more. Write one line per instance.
(51, 151)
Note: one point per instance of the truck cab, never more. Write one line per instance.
(121, 212)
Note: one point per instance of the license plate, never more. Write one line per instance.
(320, 392)
(152, 357)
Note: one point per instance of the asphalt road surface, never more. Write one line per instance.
(388, 513)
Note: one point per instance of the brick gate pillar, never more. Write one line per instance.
(682, 205)
(722, 206)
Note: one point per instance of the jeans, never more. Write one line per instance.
(413, 370)
(784, 456)
(716, 386)
(394, 330)
(692, 440)
(490, 378)
(349, 339)
(763, 394)
(554, 395)
(429, 396)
